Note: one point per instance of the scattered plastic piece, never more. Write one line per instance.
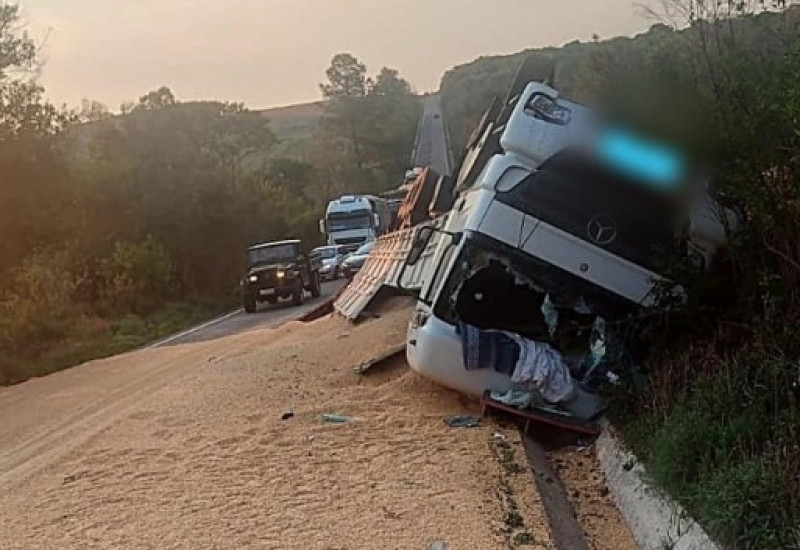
(287, 415)
(438, 545)
(550, 314)
(463, 421)
(336, 418)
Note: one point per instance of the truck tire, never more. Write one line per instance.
(297, 294)
(316, 285)
(249, 302)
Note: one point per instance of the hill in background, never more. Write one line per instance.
(584, 71)
(294, 122)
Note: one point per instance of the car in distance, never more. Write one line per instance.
(355, 261)
(332, 259)
(280, 270)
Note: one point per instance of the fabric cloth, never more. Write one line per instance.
(488, 349)
(541, 368)
(534, 366)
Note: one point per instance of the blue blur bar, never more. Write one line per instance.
(655, 165)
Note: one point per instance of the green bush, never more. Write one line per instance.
(727, 447)
(745, 505)
(37, 306)
(136, 277)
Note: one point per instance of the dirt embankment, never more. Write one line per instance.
(184, 447)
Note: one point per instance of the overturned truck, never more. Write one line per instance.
(561, 227)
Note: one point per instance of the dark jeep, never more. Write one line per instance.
(280, 269)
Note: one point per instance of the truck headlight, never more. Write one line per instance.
(280, 274)
(253, 278)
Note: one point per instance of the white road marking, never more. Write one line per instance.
(193, 330)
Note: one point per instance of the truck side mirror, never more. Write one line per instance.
(376, 219)
(421, 239)
(322, 226)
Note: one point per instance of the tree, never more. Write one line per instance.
(367, 130)
(389, 83)
(17, 50)
(157, 99)
(31, 197)
(346, 77)
(92, 111)
(291, 174)
(22, 107)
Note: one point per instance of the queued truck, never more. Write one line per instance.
(353, 220)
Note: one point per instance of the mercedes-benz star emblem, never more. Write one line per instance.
(602, 229)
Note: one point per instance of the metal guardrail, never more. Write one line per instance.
(385, 267)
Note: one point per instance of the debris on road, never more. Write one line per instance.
(541, 414)
(463, 421)
(365, 366)
(336, 419)
(287, 415)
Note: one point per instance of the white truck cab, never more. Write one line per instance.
(544, 210)
(352, 220)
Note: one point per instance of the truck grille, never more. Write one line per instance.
(351, 240)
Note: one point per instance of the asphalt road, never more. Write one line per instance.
(431, 142)
(238, 321)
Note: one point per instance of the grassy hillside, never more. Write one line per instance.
(294, 122)
(585, 71)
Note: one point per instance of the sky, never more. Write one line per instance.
(274, 52)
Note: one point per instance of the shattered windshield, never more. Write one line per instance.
(491, 287)
(270, 254)
(488, 289)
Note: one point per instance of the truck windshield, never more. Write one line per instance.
(494, 286)
(274, 253)
(489, 289)
(339, 223)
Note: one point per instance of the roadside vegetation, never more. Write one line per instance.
(121, 228)
(718, 418)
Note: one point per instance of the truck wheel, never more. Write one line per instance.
(297, 294)
(249, 303)
(316, 286)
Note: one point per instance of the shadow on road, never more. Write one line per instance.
(267, 316)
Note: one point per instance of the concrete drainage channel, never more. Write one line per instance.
(654, 521)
